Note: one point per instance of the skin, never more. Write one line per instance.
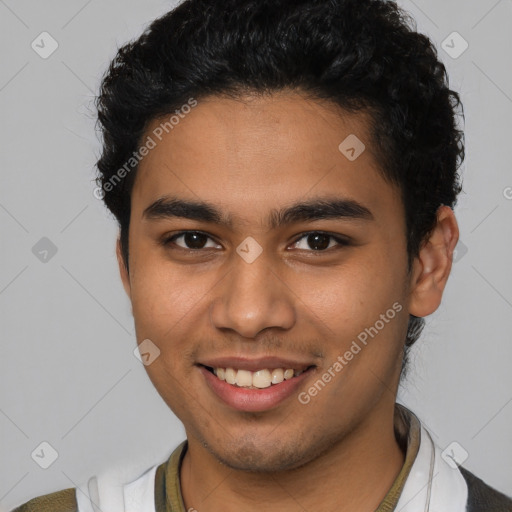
(249, 157)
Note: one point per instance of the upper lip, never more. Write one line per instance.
(253, 365)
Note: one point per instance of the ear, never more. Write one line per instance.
(125, 276)
(433, 265)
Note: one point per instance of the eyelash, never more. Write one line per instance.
(168, 241)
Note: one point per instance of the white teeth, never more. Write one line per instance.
(244, 378)
(230, 376)
(277, 376)
(261, 379)
(288, 374)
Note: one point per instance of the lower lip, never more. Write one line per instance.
(253, 400)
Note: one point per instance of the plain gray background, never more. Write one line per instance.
(68, 373)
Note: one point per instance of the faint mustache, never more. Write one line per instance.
(271, 343)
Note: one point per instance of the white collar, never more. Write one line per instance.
(432, 484)
(108, 493)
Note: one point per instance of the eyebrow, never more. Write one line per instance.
(309, 211)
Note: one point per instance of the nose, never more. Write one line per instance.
(252, 298)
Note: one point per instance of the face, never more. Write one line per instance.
(231, 278)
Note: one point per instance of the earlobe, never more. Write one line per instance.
(123, 272)
(433, 265)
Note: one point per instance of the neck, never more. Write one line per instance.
(355, 474)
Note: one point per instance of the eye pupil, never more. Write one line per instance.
(191, 240)
(319, 240)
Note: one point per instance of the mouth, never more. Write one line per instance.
(257, 386)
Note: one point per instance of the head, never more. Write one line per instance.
(248, 109)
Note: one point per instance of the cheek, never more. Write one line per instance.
(363, 307)
(353, 297)
(156, 291)
(167, 298)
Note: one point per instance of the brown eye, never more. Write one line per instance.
(193, 240)
(319, 241)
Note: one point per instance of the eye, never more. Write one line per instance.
(192, 240)
(319, 241)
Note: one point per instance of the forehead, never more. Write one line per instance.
(256, 152)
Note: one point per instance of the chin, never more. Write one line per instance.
(265, 455)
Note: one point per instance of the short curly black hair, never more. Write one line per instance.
(362, 55)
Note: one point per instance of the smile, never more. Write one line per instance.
(255, 390)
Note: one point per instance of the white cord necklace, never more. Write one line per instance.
(430, 476)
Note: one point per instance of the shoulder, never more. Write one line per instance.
(482, 497)
(60, 501)
(128, 484)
